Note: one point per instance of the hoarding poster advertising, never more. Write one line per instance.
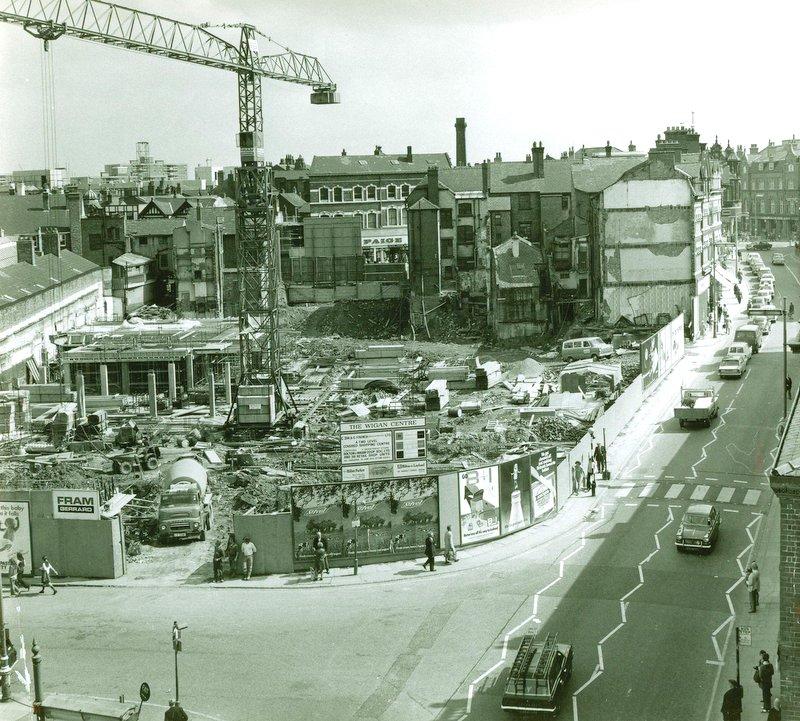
(661, 351)
(392, 516)
(15, 533)
(515, 495)
(479, 491)
(543, 466)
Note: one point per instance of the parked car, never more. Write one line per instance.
(750, 334)
(740, 348)
(732, 366)
(762, 323)
(778, 259)
(699, 528)
(759, 245)
(582, 348)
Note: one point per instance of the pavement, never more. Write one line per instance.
(651, 628)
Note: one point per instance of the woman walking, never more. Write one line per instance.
(47, 571)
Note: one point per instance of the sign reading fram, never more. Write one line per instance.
(76, 504)
(383, 448)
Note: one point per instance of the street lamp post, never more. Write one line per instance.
(785, 362)
(5, 670)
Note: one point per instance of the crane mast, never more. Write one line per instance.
(257, 246)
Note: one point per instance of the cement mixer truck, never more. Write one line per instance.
(184, 510)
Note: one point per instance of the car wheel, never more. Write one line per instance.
(202, 535)
(569, 359)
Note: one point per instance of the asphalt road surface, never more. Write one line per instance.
(649, 625)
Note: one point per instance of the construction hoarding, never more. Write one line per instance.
(383, 448)
(15, 533)
(659, 352)
(391, 517)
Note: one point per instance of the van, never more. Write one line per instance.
(582, 348)
(750, 334)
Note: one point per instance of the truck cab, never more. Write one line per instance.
(184, 511)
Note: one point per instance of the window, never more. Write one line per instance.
(338, 215)
(525, 230)
(360, 217)
(324, 195)
(524, 201)
(464, 210)
(391, 192)
(337, 194)
(565, 203)
(772, 166)
(790, 168)
(790, 184)
(447, 248)
(445, 218)
(392, 215)
(95, 241)
(372, 220)
(404, 190)
(358, 193)
(198, 275)
(142, 241)
(466, 235)
(371, 192)
(780, 183)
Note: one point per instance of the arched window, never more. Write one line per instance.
(338, 215)
(360, 217)
(404, 190)
(391, 191)
(358, 192)
(372, 220)
(324, 195)
(392, 218)
(372, 192)
(337, 194)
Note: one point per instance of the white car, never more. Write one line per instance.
(740, 349)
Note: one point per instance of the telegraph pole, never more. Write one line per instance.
(5, 670)
(785, 363)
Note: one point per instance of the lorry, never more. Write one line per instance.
(698, 405)
(750, 334)
(184, 509)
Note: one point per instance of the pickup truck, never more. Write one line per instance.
(732, 366)
(698, 405)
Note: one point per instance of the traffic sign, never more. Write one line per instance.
(144, 692)
(767, 312)
(745, 635)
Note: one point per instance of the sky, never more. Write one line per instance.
(563, 72)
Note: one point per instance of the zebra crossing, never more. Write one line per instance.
(686, 491)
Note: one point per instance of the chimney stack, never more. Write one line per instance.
(608, 149)
(45, 198)
(344, 153)
(537, 153)
(498, 158)
(433, 185)
(461, 142)
(378, 150)
(631, 147)
(77, 213)
(753, 149)
(485, 177)
(409, 154)
(25, 251)
(50, 243)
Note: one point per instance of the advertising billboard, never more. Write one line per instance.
(515, 495)
(388, 516)
(15, 533)
(479, 493)
(543, 466)
(659, 352)
(383, 448)
(73, 504)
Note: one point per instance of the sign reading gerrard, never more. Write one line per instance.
(384, 448)
(76, 504)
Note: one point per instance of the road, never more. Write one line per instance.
(650, 626)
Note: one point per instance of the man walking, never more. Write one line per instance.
(217, 561)
(753, 582)
(232, 552)
(21, 571)
(12, 576)
(449, 547)
(429, 551)
(577, 477)
(320, 540)
(788, 385)
(47, 571)
(600, 457)
(732, 702)
(764, 672)
(248, 554)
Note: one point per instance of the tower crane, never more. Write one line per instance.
(256, 243)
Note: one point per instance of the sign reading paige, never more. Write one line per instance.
(76, 504)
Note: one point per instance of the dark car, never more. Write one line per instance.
(537, 676)
(759, 245)
(699, 528)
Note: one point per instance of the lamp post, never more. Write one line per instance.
(5, 670)
(785, 362)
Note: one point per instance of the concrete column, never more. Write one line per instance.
(189, 371)
(228, 389)
(104, 380)
(45, 366)
(151, 391)
(172, 381)
(212, 393)
(66, 375)
(125, 376)
(81, 395)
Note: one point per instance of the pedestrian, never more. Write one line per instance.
(726, 324)
(764, 672)
(577, 476)
(21, 571)
(47, 572)
(449, 547)
(593, 486)
(12, 576)
(217, 561)
(788, 385)
(319, 539)
(737, 292)
(732, 702)
(752, 580)
(600, 457)
(719, 311)
(791, 310)
(429, 551)
(232, 552)
(175, 712)
(775, 712)
(248, 553)
(319, 560)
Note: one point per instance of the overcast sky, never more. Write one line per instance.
(566, 72)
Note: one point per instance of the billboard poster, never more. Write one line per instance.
(515, 495)
(479, 491)
(392, 516)
(543, 466)
(661, 351)
(15, 533)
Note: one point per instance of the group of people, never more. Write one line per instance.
(450, 555)
(16, 575)
(763, 672)
(597, 464)
(235, 553)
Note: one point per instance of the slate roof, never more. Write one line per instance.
(23, 214)
(596, 174)
(22, 280)
(572, 227)
(518, 177)
(423, 204)
(775, 153)
(377, 164)
(519, 271)
(153, 226)
(462, 179)
(130, 259)
(295, 200)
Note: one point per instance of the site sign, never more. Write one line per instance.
(76, 504)
(383, 448)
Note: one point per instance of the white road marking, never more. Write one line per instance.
(736, 480)
(730, 510)
(669, 476)
(751, 497)
(632, 505)
(648, 490)
(624, 491)
(725, 494)
(674, 490)
(699, 493)
(652, 505)
(711, 478)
